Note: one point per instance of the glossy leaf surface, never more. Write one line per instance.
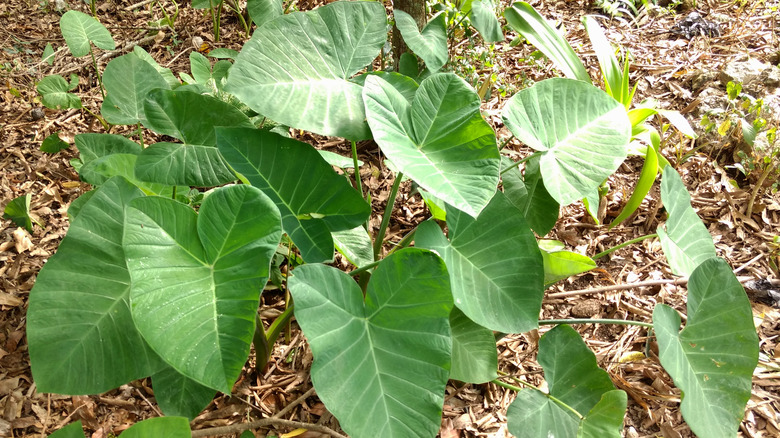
(712, 359)
(474, 356)
(380, 365)
(197, 278)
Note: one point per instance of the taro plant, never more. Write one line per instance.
(529, 23)
(144, 284)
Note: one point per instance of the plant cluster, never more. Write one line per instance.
(162, 268)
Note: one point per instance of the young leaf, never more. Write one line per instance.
(53, 143)
(560, 264)
(380, 365)
(295, 68)
(523, 18)
(79, 29)
(483, 18)
(54, 92)
(18, 210)
(48, 54)
(474, 357)
(197, 278)
(439, 140)
(610, 68)
(504, 296)
(643, 186)
(80, 304)
(712, 359)
(311, 207)
(581, 131)
(684, 238)
(430, 44)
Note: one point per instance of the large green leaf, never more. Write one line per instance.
(79, 29)
(430, 44)
(263, 11)
(313, 199)
(168, 427)
(474, 355)
(197, 278)
(178, 395)
(483, 18)
(380, 365)
(494, 263)
(189, 117)
(523, 18)
(295, 68)
(585, 402)
(712, 359)
(684, 238)
(128, 80)
(581, 131)
(439, 140)
(81, 335)
(527, 192)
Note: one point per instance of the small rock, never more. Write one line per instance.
(586, 309)
(37, 114)
(753, 74)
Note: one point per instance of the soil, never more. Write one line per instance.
(665, 67)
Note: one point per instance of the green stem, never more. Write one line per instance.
(517, 389)
(363, 268)
(403, 243)
(380, 235)
(593, 321)
(358, 182)
(505, 142)
(173, 193)
(100, 119)
(95, 66)
(624, 244)
(518, 163)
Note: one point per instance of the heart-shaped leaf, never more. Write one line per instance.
(527, 192)
(312, 207)
(54, 92)
(189, 117)
(169, 427)
(263, 11)
(197, 278)
(430, 44)
(712, 359)
(79, 29)
(178, 395)
(295, 68)
(495, 266)
(684, 238)
(388, 380)
(585, 402)
(129, 80)
(581, 131)
(483, 18)
(439, 140)
(80, 304)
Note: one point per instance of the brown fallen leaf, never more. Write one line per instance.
(22, 240)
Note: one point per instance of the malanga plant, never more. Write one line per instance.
(153, 281)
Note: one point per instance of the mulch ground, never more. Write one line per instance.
(664, 67)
